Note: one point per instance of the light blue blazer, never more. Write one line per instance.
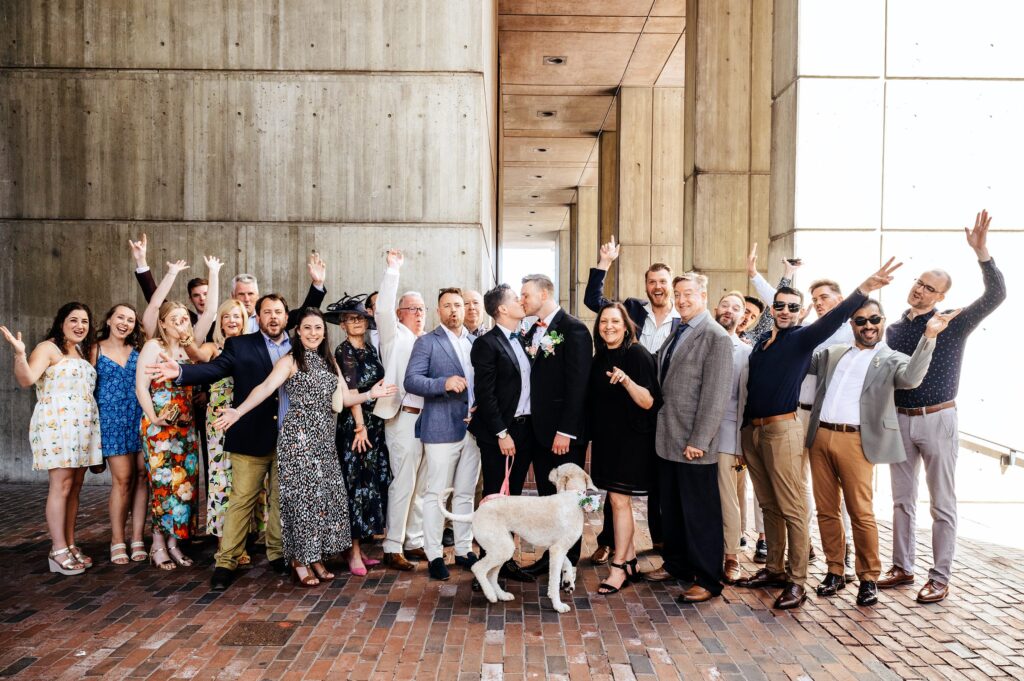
(432, 361)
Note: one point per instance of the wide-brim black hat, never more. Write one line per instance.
(348, 305)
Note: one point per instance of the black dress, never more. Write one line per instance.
(367, 474)
(622, 433)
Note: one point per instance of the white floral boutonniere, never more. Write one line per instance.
(546, 344)
(590, 503)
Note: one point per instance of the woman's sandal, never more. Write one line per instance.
(321, 572)
(119, 554)
(245, 560)
(138, 551)
(68, 565)
(606, 589)
(165, 565)
(309, 580)
(633, 572)
(79, 556)
(178, 557)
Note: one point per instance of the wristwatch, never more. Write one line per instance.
(503, 434)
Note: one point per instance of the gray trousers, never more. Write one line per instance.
(932, 439)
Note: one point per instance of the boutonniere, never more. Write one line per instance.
(590, 503)
(546, 344)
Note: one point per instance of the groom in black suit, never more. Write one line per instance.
(562, 350)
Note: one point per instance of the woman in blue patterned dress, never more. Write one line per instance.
(117, 352)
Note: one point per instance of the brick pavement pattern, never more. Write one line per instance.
(134, 622)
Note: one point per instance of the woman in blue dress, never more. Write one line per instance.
(117, 352)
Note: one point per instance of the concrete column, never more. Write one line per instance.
(564, 268)
(608, 200)
(587, 232)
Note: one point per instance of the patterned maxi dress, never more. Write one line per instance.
(367, 474)
(314, 506)
(219, 478)
(172, 461)
(65, 428)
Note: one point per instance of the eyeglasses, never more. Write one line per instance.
(926, 287)
(352, 319)
(779, 306)
(414, 310)
(874, 319)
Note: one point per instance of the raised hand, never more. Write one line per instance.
(138, 249)
(977, 238)
(164, 370)
(395, 258)
(317, 269)
(213, 263)
(789, 269)
(380, 389)
(176, 267)
(883, 277)
(617, 375)
(939, 321)
(609, 252)
(752, 262)
(15, 340)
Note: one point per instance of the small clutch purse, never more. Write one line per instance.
(170, 413)
(338, 398)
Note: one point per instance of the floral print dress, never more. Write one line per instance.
(120, 412)
(172, 461)
(65, 428)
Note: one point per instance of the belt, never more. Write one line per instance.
(921, 411)
(521, 419)
(411, 410)
(806, 407)
(757, 423)
(839, 427)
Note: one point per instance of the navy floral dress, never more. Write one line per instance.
(367, 474)
(120, 413)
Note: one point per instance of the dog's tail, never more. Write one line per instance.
(457, 517)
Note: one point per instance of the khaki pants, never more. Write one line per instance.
(777, 462)
(247, 474)
(838, 464)
(732, 489)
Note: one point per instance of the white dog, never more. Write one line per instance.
(554, 522)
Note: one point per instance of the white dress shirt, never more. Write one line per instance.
(653, 335)
(523, 408)
(463, 346)
(842, 399)
(844, 334)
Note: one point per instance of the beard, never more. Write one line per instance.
(726, 322)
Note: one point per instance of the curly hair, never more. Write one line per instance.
(56, 332)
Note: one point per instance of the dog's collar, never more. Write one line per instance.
(590, 503)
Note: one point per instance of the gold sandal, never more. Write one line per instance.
(68, 565)
(79, 556)
(165, 565)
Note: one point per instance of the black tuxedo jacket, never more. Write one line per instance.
(496, 385)
(558, 383)
(245, 358)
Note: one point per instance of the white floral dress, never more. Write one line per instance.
(65, 427)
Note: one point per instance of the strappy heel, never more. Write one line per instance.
(633, 573)
(165, 565)
(606, 589)
(309, 580)
(321, 572)
(138, 551)
(79, 556)
(119, 554)
(178, 557)
(68, 565)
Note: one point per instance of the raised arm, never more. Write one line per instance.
(995, 285)
(27, 370)
(317, 269)
(593, 297)
(152, 313)
(143, 274)
(281, 372)
(384, 313)
(209, 316)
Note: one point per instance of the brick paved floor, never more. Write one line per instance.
(135, 622)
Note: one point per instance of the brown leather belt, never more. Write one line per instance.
(411, 410)
(839, 427)
(806, 407)
(921, 411)
(757, 423)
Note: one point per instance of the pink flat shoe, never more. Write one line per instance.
(357, 571)
(370, 562)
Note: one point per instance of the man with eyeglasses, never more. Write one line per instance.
(399, 325)
(852, 427)
(928, 418)
(772, 434)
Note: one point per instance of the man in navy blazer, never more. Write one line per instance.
(441, 371)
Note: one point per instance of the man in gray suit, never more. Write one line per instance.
(695, 367)
(441, 372)
(852, 427)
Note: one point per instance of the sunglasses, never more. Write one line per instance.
(874, 319)
(779, 306)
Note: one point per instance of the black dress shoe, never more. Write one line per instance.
(791, 597)
(831, 585)
(438, 570)
(867, 594)
(279, 566)
(538, 568)
(221, 579)
(764, 578)
(761, 552)
(467, 560)
(448, 537)
(511, 570)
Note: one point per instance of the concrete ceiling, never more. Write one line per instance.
(552, 112)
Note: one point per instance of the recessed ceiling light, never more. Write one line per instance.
(533, 212)
(540, 149)
(529, 225)
(534, 196)
(527, 235)
(538, 177)
(546, 114)
(555, 61)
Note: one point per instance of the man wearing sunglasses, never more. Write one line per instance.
(772, 434)
(928, 418)
(852, 427)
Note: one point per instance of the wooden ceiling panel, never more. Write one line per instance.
(669, 8)
(674, 73)
(577, 24)
(550, 178)
(573, 113)
(586, 90)
(590, 58)
(539, 196)
(589, 176)
(649, 58)
(610, 8)
(665, 25)
(560, 150)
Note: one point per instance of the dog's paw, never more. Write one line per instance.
(560, 607)
(505, 596)
(568, 587)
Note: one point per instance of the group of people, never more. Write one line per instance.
(318, 452)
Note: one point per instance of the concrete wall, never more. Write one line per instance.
(255, 131)
(894, 122)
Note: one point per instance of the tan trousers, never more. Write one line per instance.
(247, 474)
(838, 465)
(777, 462)
(732, 489)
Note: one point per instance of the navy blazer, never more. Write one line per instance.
(245, 358)
(594, 299)
(432, 361)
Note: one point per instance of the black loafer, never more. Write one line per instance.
(831, 585)
(764, 578)
(867, 594)
(448, 537)
(761, 552)
(467, 560)
(221, 579)
(438, 570)
(511, 570)
(279, 566)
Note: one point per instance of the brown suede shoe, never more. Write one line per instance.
(764, 578)
(416, 554)
(397, 561)
(791, 597)
(731, 571)
(695, 594)
(600, 556)
(932, 592)
(895, 577)
(659, 575)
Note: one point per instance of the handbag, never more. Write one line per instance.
(338, 397)
(170, 413)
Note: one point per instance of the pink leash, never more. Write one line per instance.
(504, 491)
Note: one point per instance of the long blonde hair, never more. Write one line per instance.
(165, 310)
(225, 307)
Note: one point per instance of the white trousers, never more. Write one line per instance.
(456, 465)
(405, 493)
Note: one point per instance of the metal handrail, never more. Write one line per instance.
(1007, 455)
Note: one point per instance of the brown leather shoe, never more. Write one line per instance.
(895, 577)
(416, 554)
(600, 556)
(791, 597)
(731, 571)
(764, 578)
(695, 594)
(659, 575)
(397, 561)
(932, 592)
